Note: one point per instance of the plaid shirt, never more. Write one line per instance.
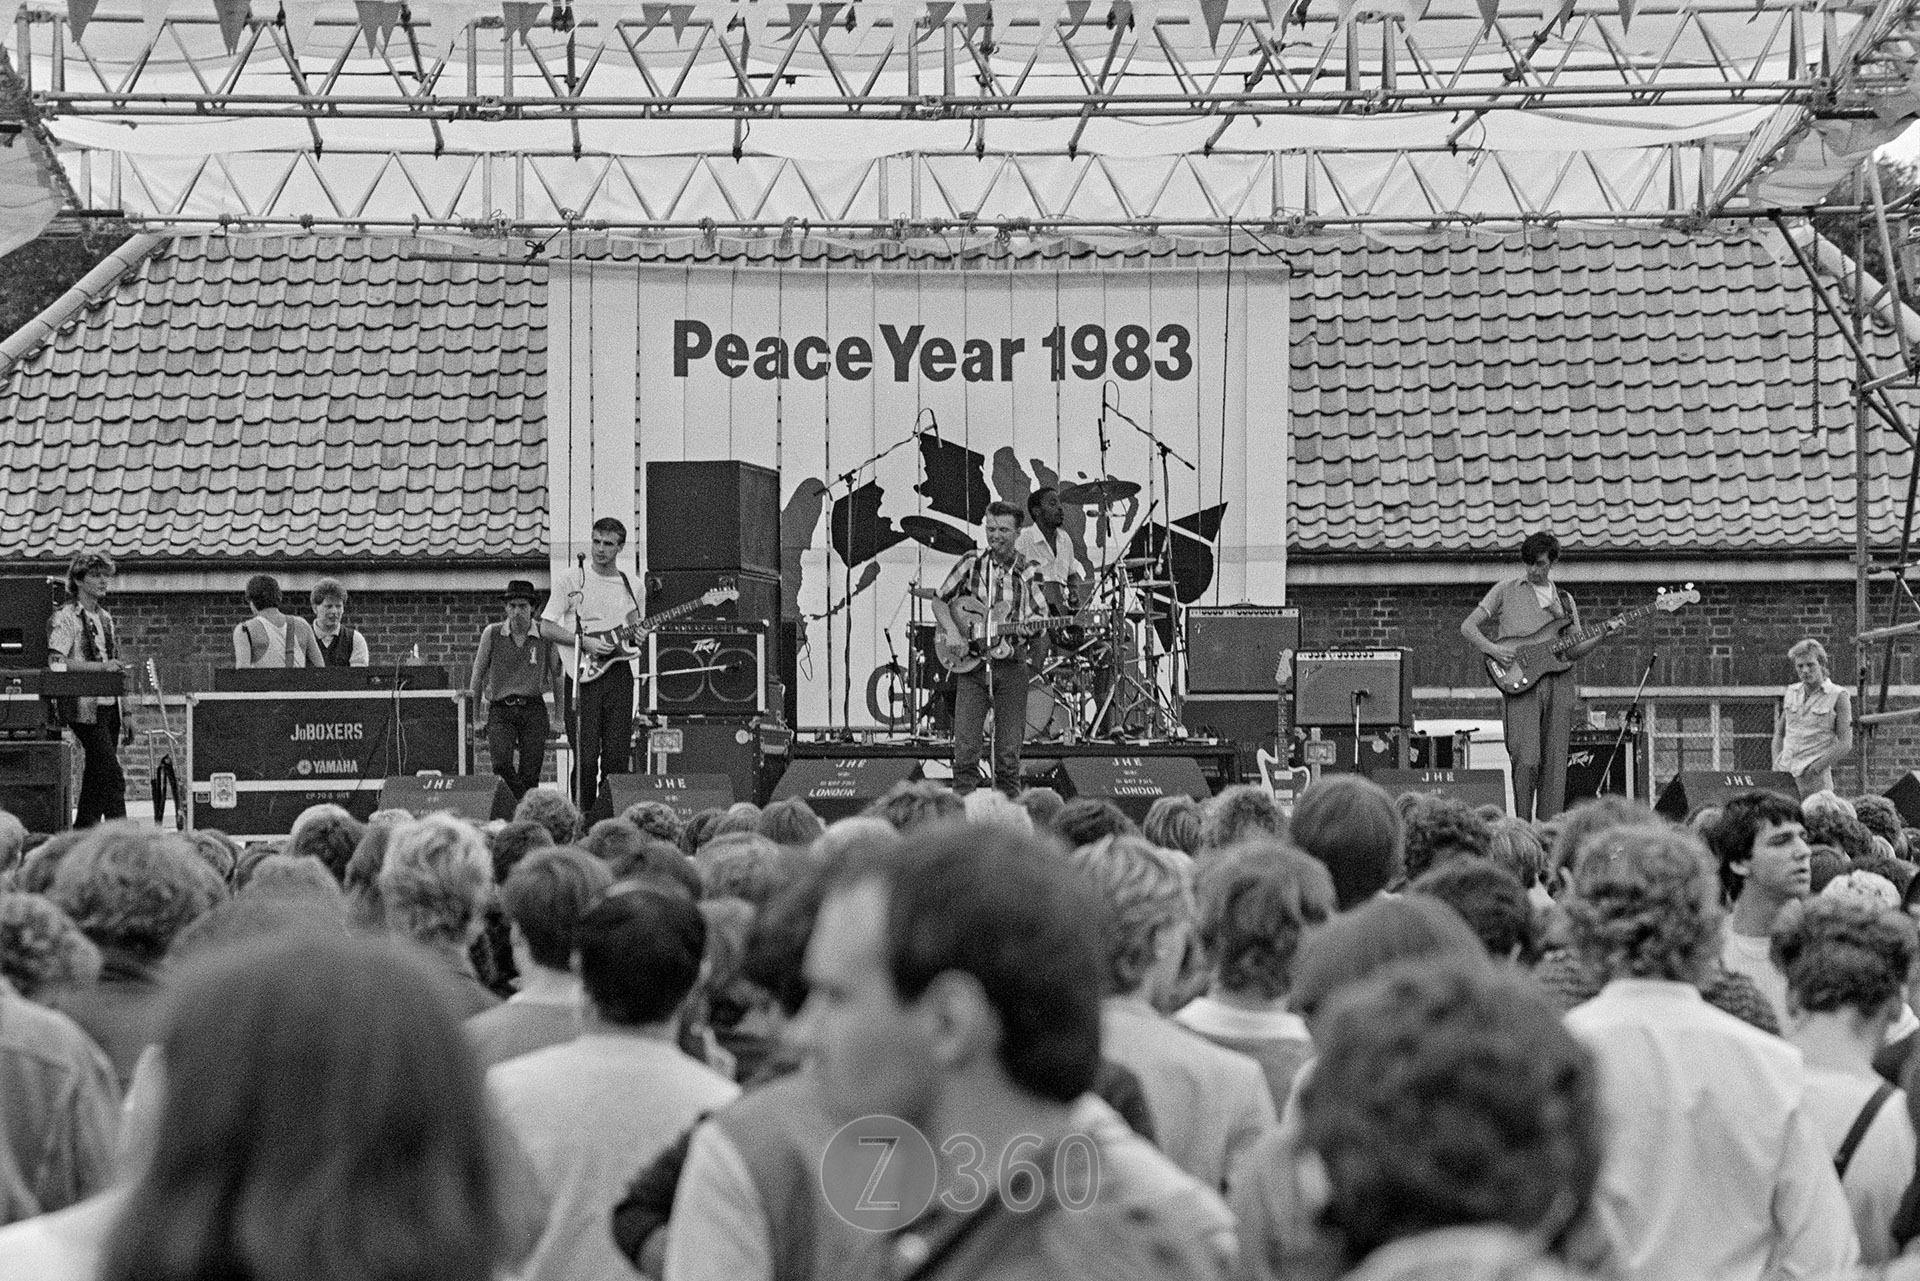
(1016, 586)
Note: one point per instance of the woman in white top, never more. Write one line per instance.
(1813, 729)
(271, 638)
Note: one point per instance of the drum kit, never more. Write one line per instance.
(1101, 675)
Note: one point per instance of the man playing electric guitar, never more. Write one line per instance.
(597, 598)
(1538, 722)
(1006, 588)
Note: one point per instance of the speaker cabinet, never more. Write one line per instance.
(34, 784)
(713, 515)
(759, 597)
(1589, 773)
(1134, 783)
(1241, 649)
(840, 787)
(474, 797)
(1475, 787)
(26, 609)
(1248, 721)
(748, 752)
(1695, 789)
(1905, 795)
(1325, 682)
(685, 794)
(700, 669)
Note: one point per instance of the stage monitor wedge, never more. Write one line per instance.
(1473, 787)
(840, 787)
(1694, 789)
(1134, 783)
(1905, 795)
(477, 798)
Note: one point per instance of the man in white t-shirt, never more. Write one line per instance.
(597, 599)
(1764, 865)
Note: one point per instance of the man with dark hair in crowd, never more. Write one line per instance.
(1351, 824)
(1042, 805)
(340, 645)
(271, 638)
(1713, 1168)
(957, 988)
(1243, 812)
(594, 1110)
(911, 805)
(1453, 1127)
(549, 807)
(328, 833)
(1764, 865)
(1440, 827)
(1002, 588)
(515, 841)
(1490, 899)
(657, 819)
(1882, 818)
(1086, 819)
(544, 897)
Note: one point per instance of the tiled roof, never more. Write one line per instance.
(1636, 391)
(306, 397)
(1639, 391)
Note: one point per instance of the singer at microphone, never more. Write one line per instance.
(592, 603)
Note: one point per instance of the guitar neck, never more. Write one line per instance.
(1588, 633)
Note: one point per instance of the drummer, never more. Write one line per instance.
(1047, 544)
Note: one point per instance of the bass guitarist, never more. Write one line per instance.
(595, 598)
(1006, 587)
(1538, 722)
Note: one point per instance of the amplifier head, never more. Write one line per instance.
(1327, 684)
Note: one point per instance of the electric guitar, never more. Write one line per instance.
(1545, 652)
(1283, 782)
(626, 639)
(973, 618)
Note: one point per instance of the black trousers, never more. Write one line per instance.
(103, 787)
(517, 742)
(605, 709)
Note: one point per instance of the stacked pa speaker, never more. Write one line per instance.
(714, 674)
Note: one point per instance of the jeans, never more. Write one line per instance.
(970, 698)
(103, 787)
(517, 730)
(1539, 724)
(606, 732)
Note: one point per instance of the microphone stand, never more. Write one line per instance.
(1163, 451)
(579, 687)
(1359, 696)
(1629, 724)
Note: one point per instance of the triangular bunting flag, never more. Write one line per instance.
(1077, 13)
(79, 14)
(978, 15)
(520, 16)
(1626, 14)
(1213, 13)
(653, 14)
(829, 13)
(377, 21)
(1489, 10)
(797, 16)
(297, 18)
(1565, 15)
(153, 13)
(679, 15)
(234, 16)
(937, 11)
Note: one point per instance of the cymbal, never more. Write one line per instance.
(936, 534)
(1146, 586)
(1090, 493)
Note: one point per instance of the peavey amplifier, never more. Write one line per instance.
(707, 669)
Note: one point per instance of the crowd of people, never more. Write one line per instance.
(968, 1037)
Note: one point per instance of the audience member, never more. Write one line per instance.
(1042, 805)
(1348, 822)
(847, 835)
(298, 876)
(1882, 817)
(790, 822)
(1243, 812)
(1832, 826)
(320, 1118)
(554, 810)
(1491, 902)
(728, 922)
(1256, 902)
(699, 830)
(1173, 823)
(593, 1111)
(917, 804)
(1762, 851)
(615, 842)
(365, 912)
(41, 948)
(1581, 822)
(328, 833)
(217, 849)
(994, 808)
(748, 866)
(39, 865)
(1453, 1128)
(741, 816)
(1680, 1195)
(1847, 968)
(1086, 819)
(1356, 945)
(513, 843)
(1863, 889)
(1208, 1104)
(59, 1111)
(1515, 846)
(434, 882)
(657, 819)
(130, 890)
(1824, 862)
(13, 842)
(956, 987)
(544, 898)
(1439, 828)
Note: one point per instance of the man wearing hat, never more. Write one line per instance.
(515, 670)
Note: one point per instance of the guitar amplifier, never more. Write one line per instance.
(1325, 684)
(707, 669)
(1238, 649)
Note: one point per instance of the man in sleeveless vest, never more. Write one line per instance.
(340, 645)
(1813, 730)
(271, 638)
(595, 599)
(81, 636)
(1539, 723)
(514, 671)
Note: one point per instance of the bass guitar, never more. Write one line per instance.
(626, 640)
(1545, 652)
(974, 618)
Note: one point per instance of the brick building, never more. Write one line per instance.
(1674, 406)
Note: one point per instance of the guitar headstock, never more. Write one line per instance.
(153, 675)
(1674, 599)
(715, 595)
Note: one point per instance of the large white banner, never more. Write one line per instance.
(898, 401)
